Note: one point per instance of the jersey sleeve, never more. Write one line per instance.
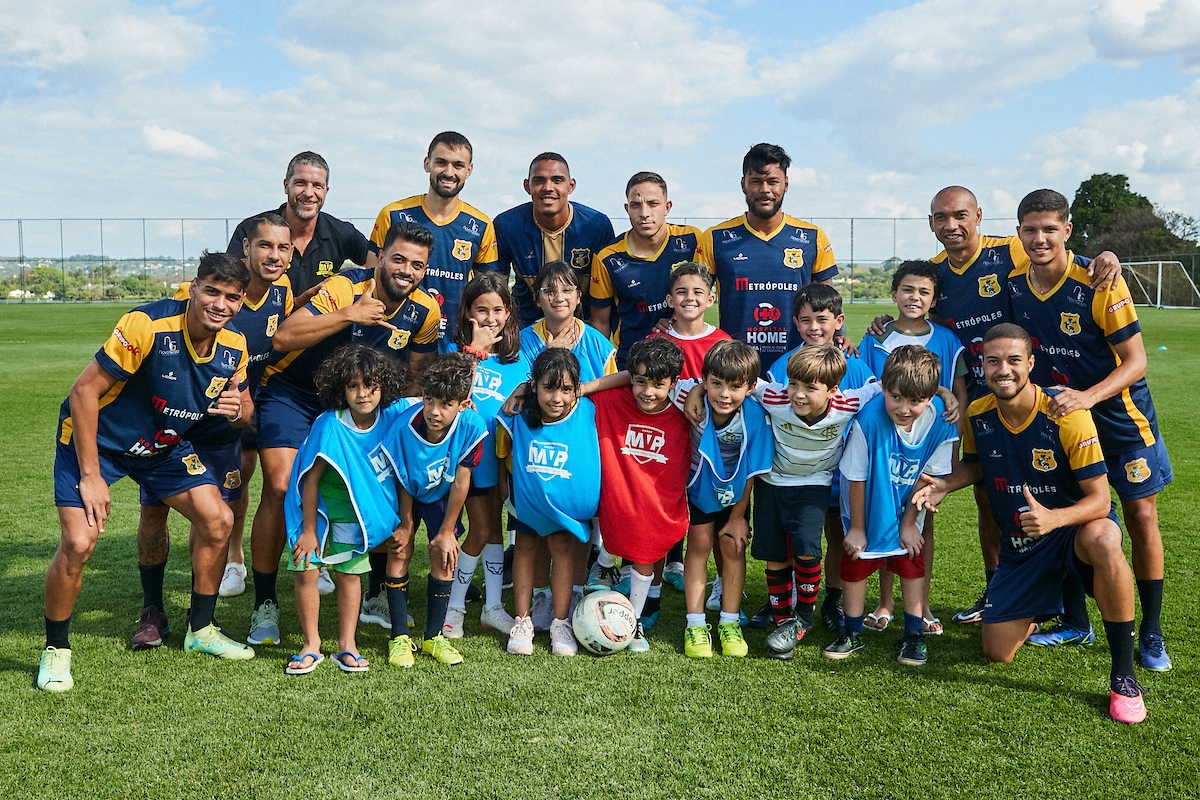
(854, 463)
(336, 292)
(127, 347)
(610, 363)
(289, 300)
(825, 267)
(488, 252)
(425, 339)
(942, 460)
(473, 457)
(969, 454)
(184, 291)
(240, 379)
(704, 250)
(680, 391)
(1077, 434)
(379, 231)
(600, 288)
(960, 363)
(1017, 254)
(1114, 313)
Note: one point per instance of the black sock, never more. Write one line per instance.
(378, 563)
(1150, 593)
(653, 606)
(152, 584)
(990, 573)
(264, 587)
(437, 598)
(1120, 647)
(833, 595)
(57, 632)
(1075, 613)
(676, 553)
(397, 596)
(203, 608)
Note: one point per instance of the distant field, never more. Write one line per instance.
(659, 725)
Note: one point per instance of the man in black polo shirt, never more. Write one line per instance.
(320, 243)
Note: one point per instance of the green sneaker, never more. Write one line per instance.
(442, 651)
(210, 640)
(400, 651)
(846, 644)
(912, 651)
(54, 670)
(732, 641)
(696, 642)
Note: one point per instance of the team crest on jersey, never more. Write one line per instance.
(548, 460)
(435, 472)
(1043, 460)
(793, 257)
(989, 286)
(194, 465)
(272, 324)
(1137, 471)
(325, 269)
(581, 257)
(903, 470)
(1069, 323)
(645, 444)
(398, 340)
(462, 250)
(488, 383)
(215, 387)
(233, 479)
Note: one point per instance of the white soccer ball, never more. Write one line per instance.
(604, 622)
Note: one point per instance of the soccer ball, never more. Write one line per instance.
(604, 622)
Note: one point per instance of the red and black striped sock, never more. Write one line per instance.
(808, 581)
(779, 593)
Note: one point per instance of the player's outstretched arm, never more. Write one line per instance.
(1104, 271)
(1131, 369)
(92, 384)
(932, 490)
(1094, 505)
(613, 381)
(601, 319)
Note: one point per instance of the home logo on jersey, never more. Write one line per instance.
(380, 463)
(903, 470)
(488, 383)
(398, 340)
(989, 286)
(215, 387)
(435, 472)
(548, 460)
(1043, 460)
(272, 324)
(462, 250)
(194, 465)
(766, 314)
(1069, 324)
(793, 257)
(581, 257)
(325, 269)
(645, 444)
(233, 479)
(1137, 471)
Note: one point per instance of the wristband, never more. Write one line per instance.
(475, 352)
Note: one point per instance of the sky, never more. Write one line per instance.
(122, 110)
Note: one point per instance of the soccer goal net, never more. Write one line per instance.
(1164, 284)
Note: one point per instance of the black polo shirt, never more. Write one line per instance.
(334, 242)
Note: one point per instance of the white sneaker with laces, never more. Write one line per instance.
(520, 638)
(452, 628)
(325, 582)
(713, 603)
(497, 619)
(542, 610)
(233, 582)
(562, 638)
(375, 609)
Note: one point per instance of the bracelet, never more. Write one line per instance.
(475, 352)
(238, 417)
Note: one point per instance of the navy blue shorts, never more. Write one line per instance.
(250, 432)
(520, 527)
(1141, 472)
(175, 471)
(283, 420)
(432, 514)
(1028, 585)
(717, 518)
(788, 517)
(225, 465)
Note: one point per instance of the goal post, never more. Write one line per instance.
(1163, 284)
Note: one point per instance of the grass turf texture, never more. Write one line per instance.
(164, 723)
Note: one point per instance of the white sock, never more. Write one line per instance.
(606, 559)
(639, 588)
(695, 619)
(655, 590)
(727, 617)
(462, 579)
(493, 574)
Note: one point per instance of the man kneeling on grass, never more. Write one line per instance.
(1048, 488)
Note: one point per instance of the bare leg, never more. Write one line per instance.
(211, 521)
(733, 576)
(349, 593)
(833, 549)
(563, 549)
(64, 577)
(525, 552)
(237, 553)
(267, 534)
(153, 539)
(308, 609)
(695, 565)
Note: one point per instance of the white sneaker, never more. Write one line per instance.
(452, 628)
(713, 603)
(497, 619)
(375, 609)
(325, 583)
(562, 638)
(542, 610)
(233, 582)
(520, 638)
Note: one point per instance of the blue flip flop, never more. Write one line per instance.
(360, 664)
(305, 663)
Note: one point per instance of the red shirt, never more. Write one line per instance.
(644, 461)
(694, 349)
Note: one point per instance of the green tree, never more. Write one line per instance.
(1107, 215)
(1097, 200)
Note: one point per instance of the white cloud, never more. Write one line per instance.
(175, 143)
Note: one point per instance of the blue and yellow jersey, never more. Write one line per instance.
(522, 246)
(757, 276)
(971, 300)
(163, 387)
(460, 241)
(416, 329)
(596, 354)
(639, 286)
(1049, 456)
(1074, 330)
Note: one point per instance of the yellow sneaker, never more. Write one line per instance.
(440, 648)
(400, 651)
(696, 642)
(732, 641)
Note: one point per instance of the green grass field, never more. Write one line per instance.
(160, 723)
